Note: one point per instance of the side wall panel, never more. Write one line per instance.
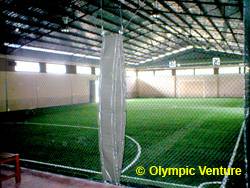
(231, 85)
(36, 90)
(196, 86)
(156, 87)
(33, 90)
(2, 92)
(21, 90)
(131, 87)
(192, 86)
(80, 89)
(53, 90)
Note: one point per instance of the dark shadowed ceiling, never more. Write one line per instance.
(150, 27)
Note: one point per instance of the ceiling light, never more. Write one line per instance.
(65, 27)
(12, 45)
(155, 15)
(168, 53)
(65, 30)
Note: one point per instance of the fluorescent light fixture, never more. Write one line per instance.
(50, 51)
(46, 50)
(92, 57)
(167, 54)
(160, 56)
(12, 45)
(23, 66)
(55, 68)
(65, 30)
(155, 16)
(132, 63)
(79, 55)
(220, 50)
(86, 56)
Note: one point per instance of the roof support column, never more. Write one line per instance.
(71, 69)
(92, 91)
(42, 67)
(7, 65)
(216, 74)
(174, 76)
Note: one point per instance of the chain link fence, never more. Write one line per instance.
(180, 117)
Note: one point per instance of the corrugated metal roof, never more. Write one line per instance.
(151, 27)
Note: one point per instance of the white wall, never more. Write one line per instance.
(21, 90)
(230, 85)
(36, 90)
(196, 86)
(80, 89)
(131, 84)
(53, 90)
(156, 87)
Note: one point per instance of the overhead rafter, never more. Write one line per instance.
(51, 30)
(198, 22)
(151, 27)
(170, 20)
(227, 23)
(162, 2)
(233, 4)
(212, 23)
(177, 33)
(39, 25)
(115, 13)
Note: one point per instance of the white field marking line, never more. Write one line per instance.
(96, 172)
(137, 155)
(73, 126)
(230, 164)
(62, 166)
(158, 182)
(209, 183)
(58, 125)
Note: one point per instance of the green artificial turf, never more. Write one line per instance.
(171, 133)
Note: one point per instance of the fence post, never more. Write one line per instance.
(247, 64)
